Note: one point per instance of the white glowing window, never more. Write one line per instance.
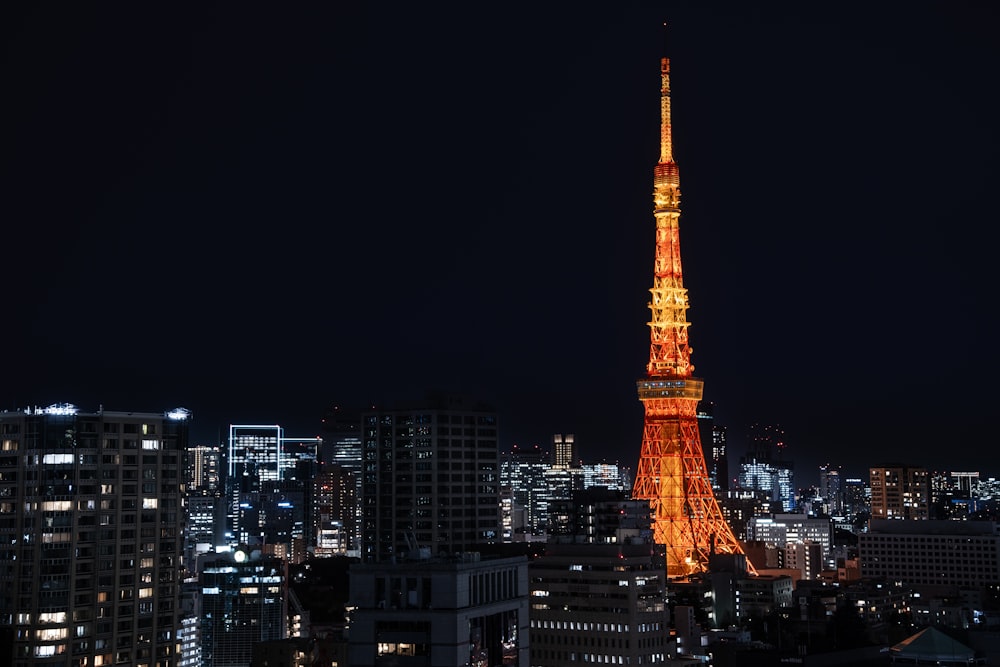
(49, 634)
(149, 503)
(150, 444)
(53, 459)
(57, 506)
(52, 617)
(145, 592)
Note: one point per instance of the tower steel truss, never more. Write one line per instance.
(672, 473)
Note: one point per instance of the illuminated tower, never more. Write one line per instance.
(672, 474)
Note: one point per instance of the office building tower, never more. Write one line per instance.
(342, 446)
(671, 473)
(204, 468)
(830, 489)
(965, 482)
(335, 511)
(522, 471)
(90, 536)
(269, 476)
(204, 526)
(431, 478)
(300, 458)
(720, 459)
(244, 599)
(564, 453)
(856, 499)
(189, 632)
(900, 492)
(598, 604)
(713, 445)
(440, 611)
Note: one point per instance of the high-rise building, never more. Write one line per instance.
(267, 487)
(713, 445)
(342, 446)
(244, 600)
(204, 468)
(671, 473)
(830, 489)
(90, 535)
(763, 468)
(856, 498)
(900, 492)
(522, 472)
(431, 479)
(564, 450)
(335, 511)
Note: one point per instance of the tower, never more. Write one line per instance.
(671, 473)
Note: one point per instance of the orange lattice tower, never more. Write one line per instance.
(672, 474)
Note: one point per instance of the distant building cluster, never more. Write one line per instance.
(128, 544)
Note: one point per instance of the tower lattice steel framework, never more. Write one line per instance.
(672, 473)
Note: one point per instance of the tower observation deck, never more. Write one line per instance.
(672, 473)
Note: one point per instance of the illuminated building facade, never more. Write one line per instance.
(900, 492)
(779, 530)
(243, 601)
(204, 467)
(431, 476)
(266, 486)
(775, 478)
(334, 510)
(598, 604)
(671, 473)
(342, 447)
(713, 445)
(427, 612)
(830, 489)
(522, 473)
(856, 498)
(608, 475)
(90, 536)
(564, 450)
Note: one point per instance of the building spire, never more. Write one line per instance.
(666, 142)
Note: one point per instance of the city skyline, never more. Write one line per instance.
(340, 206)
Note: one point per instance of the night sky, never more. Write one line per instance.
(260, 212)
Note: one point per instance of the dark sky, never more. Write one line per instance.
(259, 212)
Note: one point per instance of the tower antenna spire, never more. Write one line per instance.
(666, 140)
